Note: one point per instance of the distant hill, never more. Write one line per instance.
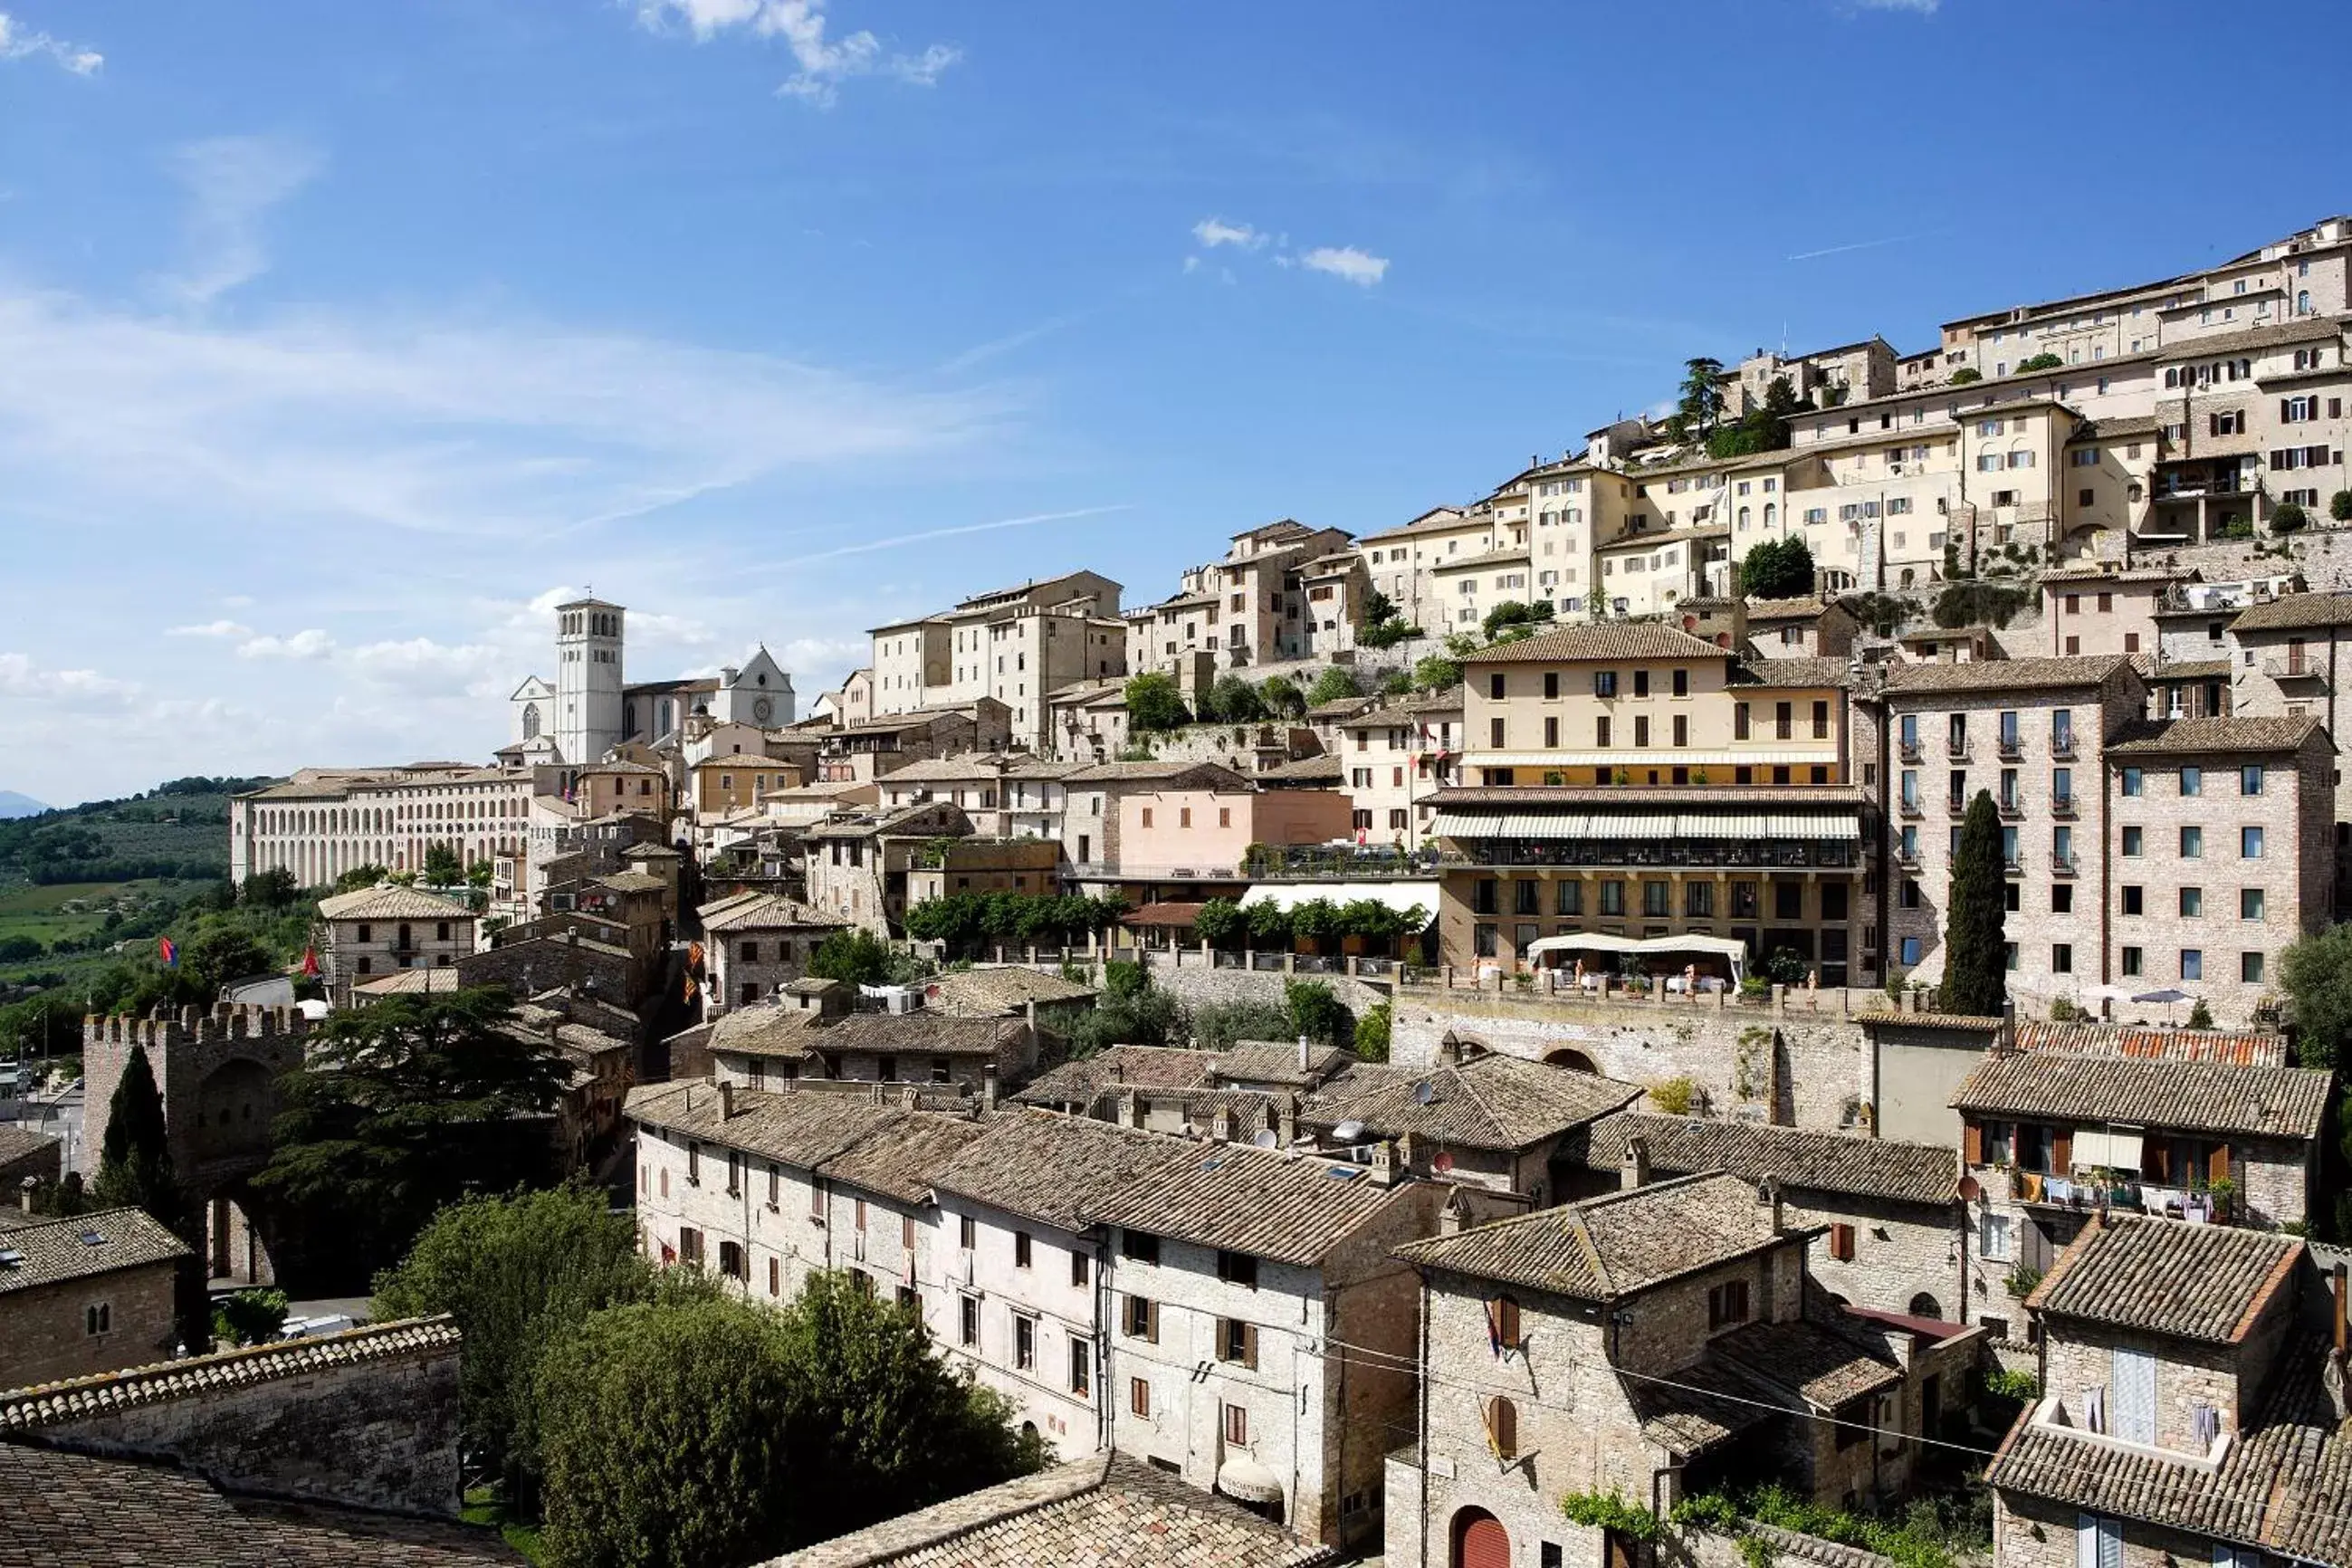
(176, 829)
(14, 804)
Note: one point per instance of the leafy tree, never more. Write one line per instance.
(1220, 923)
(1319, 1015)
(1975, 954)
(516, 1273)
(20, 949)
(1334, 684)
(134, 1171)
(1396, 683)
(1780, 569)
(1372, 1032)
(1882, 613)
(1511, 620)
(401, 1108)
(1436, 672)
(875, 1424)
(272, 889)
(1387, 634)
(1976, 604)
(2041, 362)
(220, 954)
(1379, 609)
(1700, 407)
(1966, 374)
(2316, 972)
(854, 956)
(1218, 1025)
(1281, 697)
(1269, 923)
(2289, 517)
(658, 1428)
(1233, 700)
(442, 867)
(1155, 705)
(2339, 506)
(249, 1316)
(1131, 1011)
(2200, 1016)
(359, 876)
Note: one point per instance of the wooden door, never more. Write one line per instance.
(1480, 1541)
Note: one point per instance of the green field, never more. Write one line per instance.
(75, 909)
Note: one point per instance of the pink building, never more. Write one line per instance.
(1205, 832)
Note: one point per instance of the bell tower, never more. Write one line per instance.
(587, 679)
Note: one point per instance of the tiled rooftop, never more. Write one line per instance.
(767, 1029)
(2080, 673)
(2250, 1048)
(43, 1404)
(762, 911)
(392, 901)
(83, 1246)
(1495, 1101)
(1596, 643)
(1611, 1245)
(1840, 1163)
(2192, 1281)
(793, 1127)
(2187, 1096)
(2294, 612)
(1120, 1066)
(899, 1159)
(1238, 1198)
(1791, 674)
(1822, 1368)
(1107, 1511)
(988, 993)
(2212, 736)
(1053, 1167)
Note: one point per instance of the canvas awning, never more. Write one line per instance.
(1734, 952)
(1816, 826)
(1397, 895)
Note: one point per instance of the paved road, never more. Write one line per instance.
(60, 1118)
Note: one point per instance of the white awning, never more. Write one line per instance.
(2109, 1148)
(1844, 825)
(1397, 895)
(1243, 1479)
(1734, 951)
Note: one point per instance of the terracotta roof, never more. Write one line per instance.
(2280, 1485)
(1197, 775)
(763, 911)
(2203, 1096)
(1707, 1403)
(411, 982)
(1107, 1511)
(1492, 1101)
(1888, 1017)
(77, 1507)
(1822, 1368)
(15, 1142)
(2290, 612)
(1491, 558)
(2006, 673)
(899, 1159)
(2213, 736)
(82, 1246)
(2201, 1282)
(774, 1030)
(1601, 641)
(633, 881)
(796, 1128)
(1322, 768)
(1612, 1245)
(1276, 1062)
(44, 1405)
(1342, 706)
(2075, 577)
(392, 901)
(1242, 1199)
(1052, 1167)
(1162, 914)
(1782, 609)
(2305, 330)
(1789, 674)
(1407, 710)
(2191, 670)
(1841, 1162)
(988, 993)
(1120, 1067)
(2252, 1048)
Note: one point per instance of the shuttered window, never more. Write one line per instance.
(1502, 1428)
(1842, 1243)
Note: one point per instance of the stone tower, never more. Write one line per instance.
(587, 680)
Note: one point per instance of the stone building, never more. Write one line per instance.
(2183, 1129)
(1252, 607)
(86, 1294)
(2202, 1422)
(857, 860)
(2104, 608)
(1888, 1229)
(806, 1033)
(1818, 627)
(757, 943)
(385, 928)
(26, 1155)
(324, 822)
(1654, 1343)
(1397, 757)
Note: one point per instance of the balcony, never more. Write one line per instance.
(2011, 866)
(2095, 1189)
(2062, 746)
(1910, 750)
(1956, 748)
(1907, 857)
(2011, 809)
(2061, 806)
(1763, 854)
(1956, 804)
(2061, 863)
(1909, 806)
(2011, 748)
(2295, 668)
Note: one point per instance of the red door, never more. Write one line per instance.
(1480, 1541)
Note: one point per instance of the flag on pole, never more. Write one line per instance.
(694, 955)
(690, 988)
(310, 963)
(168, 950)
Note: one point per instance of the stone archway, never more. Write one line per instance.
(1571, 1058)
(1923, 1305)
(1480, 1541)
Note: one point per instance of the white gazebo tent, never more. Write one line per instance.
(1734, 954)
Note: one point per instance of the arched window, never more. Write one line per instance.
(1771, 514)
(1743, 519)
(1502, 1428)
(530, 721)
(1923, 1305)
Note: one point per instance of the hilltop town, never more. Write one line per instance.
(1727, 1000)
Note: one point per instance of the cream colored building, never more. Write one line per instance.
(1469, 587)
(1397, 758)
(1010, 645)
(1253, 607)
(324, 822)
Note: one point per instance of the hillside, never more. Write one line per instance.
(13, 805)
(178, 829)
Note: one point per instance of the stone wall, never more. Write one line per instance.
(365, 1419)
(45, 1334)
(1817, 1076)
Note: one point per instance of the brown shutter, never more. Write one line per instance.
(1249, 1346)
(1841, 1242)
(2062, 1152)
(1974, 1139)
(1506, 1322)
(2157, 1153)
(2217, 1163)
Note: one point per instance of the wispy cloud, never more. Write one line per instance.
(232, 183)
(21, 679)
(1358, 267)
(868, 546)
(1213, 232)
(308, 646)
(212, 629)
(824, 62)
(1917, 7)
(1858, 245)
(19, 42)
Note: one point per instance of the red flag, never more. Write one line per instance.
(168, 950)
(311, 964)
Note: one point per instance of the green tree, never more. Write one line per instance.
(660, 1434)
(2040, 362)
(854, 955)
(1976, 953)
(1269, 924)
(1281, 697)
(1700, 407)
(1155, 705)
(1233, 700)
(1966, 374)
(1396, 683)
(271, 890)
(517, 1273)
(1511, 620)
(2316, 972)
(1217, 1026)
(1781, 570)
(1317, 1014)
(2200, 1016)
(1379, 609)
(135, 1171)
(2339, 506)
(1372, 1031)
(219, 955)
(442, 867)
(2289, 517)
(1336, 683)
(1131, 1011)
(1220, 923)
(249, 1316)
(359, 876)
(1436, 672)
(401, 1108)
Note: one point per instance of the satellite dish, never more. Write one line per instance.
(1442, 1163)
(1264, 1139)
(1425, 1093)
(1348, 1133)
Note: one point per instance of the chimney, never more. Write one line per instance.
(1288, 1122)
(1449, 1217)
(988, 1087)
(726, 1100)
(1384, 1163)
(1449, 1050)
(1220, 1124)
(1768, 1192)
(1130, 1110)
(31, 1184)
(1306, 1055)
(1634, 1171)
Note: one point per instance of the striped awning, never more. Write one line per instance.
(1818, 825)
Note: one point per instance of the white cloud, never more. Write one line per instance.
(212, 629)
(474, 430)
(1357, 266)
(232, 183)
(1213, 232)
(1917, 7)
(422, 665)
(824, 62)
(19, 42)
(21, 678)
(305, 646)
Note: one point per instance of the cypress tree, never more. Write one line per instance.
(1976, 950)
(134, 1171)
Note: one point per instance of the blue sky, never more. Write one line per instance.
(337, 341)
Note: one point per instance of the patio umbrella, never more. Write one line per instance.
(2167, 994)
